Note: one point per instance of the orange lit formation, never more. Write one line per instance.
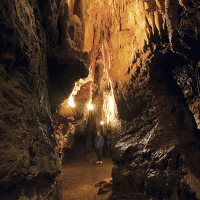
(71, 102)
(90, 106)
(112, 33)
(109, 111)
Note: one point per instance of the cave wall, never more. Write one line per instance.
(139, 51)
(66, 58)
(124, 30)
(38, 62)
(28, 156)
(147, 45)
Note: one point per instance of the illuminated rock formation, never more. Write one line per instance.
(144, 65)
(142, 44)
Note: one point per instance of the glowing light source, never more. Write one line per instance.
(102, 123)
(71, 102)
(90, 106)
(111, 105)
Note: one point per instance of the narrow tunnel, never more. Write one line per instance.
(125, 72)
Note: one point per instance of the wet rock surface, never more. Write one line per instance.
(104, 186)
(29, 32)
(157, 155)
(149, 49)
(28, 154)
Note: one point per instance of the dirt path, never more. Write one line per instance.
(79, 178)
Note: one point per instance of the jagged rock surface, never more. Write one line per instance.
(143, 44)
(31, 34)
(140, 50)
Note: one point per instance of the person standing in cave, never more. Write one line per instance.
(98, 144)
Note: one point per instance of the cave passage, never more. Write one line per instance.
(84, 179)
(129, 69)
(89, 108)
(77, 121)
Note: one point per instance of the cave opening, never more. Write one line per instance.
(140, 93)
(90, 108)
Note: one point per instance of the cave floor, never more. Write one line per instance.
(79, 179)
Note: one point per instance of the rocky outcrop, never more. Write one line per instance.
(144, 47)
(139, 52)
(64, 131)
(65, 55)
(28, 154)
(158, 153)
(31, 34)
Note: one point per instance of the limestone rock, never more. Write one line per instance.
(29, 166)
(105, 186)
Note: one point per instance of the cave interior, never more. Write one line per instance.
(127, 68)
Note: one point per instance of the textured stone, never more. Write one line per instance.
(28, 147)
(141, 45)
(29, 33)
(139, 51)
(105, 186)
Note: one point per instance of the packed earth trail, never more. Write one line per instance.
(80, 177)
